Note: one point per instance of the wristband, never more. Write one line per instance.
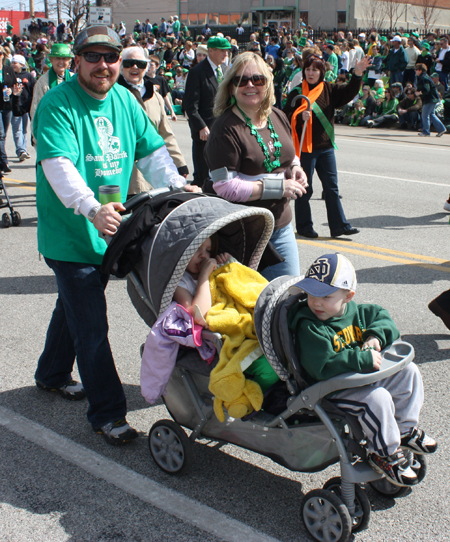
(272, 188)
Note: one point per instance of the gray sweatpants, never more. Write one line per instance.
(386, 409)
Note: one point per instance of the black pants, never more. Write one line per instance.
(201, 170)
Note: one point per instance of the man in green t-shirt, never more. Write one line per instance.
(89, 133)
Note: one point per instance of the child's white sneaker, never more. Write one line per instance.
(418, 442)
(395, 467)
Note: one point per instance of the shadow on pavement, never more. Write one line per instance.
(394, 222)
(404, 274)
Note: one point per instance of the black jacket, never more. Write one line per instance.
(26, 97)
(9, 80)
(198, 101)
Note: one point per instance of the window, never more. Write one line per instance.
(304, 16)
(245, 18)
(235, 18)
(202, 18)
(192, 19)
(342, 17)
(184, 18)
(213, 18)
(224, 18)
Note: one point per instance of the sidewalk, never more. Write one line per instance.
(391, 134)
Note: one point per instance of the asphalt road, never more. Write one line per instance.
(62, 482)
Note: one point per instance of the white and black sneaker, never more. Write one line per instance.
(117, 432)
(395, 467)
(418, 442)
(73, 390)
(22, 157)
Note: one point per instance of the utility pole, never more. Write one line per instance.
(46, 8)
(99, 3)
(31, 8)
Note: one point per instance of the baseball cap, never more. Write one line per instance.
(396, 38)
(328, 274)
(19, 59)
(97, 35)
(434, 75)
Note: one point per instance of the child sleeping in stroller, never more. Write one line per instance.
(192, 301)
(334, 335)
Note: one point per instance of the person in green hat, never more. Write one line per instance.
(426, 57)
(200, 91)
(60, 58)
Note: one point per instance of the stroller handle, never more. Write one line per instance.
(139, 199)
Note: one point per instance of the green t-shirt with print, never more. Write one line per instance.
(102, 138)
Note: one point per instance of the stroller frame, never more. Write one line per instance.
(324, 435)
(15, 219)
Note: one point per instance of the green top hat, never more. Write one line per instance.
(61, 50)
(426, 45)
(383, 38)
(218, 43)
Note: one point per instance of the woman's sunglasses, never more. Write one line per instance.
(130, 62)
(242, 81)
(93, 58)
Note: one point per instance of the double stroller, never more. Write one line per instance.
(304, 432)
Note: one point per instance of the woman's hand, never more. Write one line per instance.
(306, 115)
(293, 189)
(299, 175)
(8, 91)
(362, 65)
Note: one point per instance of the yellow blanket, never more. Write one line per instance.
(234, 291)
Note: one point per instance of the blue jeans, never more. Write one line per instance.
(443, 78)
(284, 241)
(20, 127)
(396, 77)
(412, 117)
(5, 121)
(324, 162)
(427, 114)
(79, 328)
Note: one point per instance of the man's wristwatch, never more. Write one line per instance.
(93, 213)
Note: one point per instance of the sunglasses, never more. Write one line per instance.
(242, 81)
(130, 62)
(93, 58)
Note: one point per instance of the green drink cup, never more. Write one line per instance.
(108, 193)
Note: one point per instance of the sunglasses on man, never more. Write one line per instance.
(130, 62)
(93, 58)
(242, 81)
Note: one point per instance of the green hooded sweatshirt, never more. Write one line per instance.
(332, 347)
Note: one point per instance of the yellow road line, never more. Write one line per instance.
(342, 247)
(26, 185)
(391, 251)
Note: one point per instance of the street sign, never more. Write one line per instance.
(100, 16)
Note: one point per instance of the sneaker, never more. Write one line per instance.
(370, 124)
(73, 390)
(6, 169)
(118, 432)
(27, 156)
(395, 467)
(424, 135)
(447, 205)
(310, 234)
(440, 134)
(418, 442)
(22, 157)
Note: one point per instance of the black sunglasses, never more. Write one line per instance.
(93, 58)
(130, 62)
(242, 81)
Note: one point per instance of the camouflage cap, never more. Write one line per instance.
(97, 35)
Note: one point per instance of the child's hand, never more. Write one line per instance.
(222, 258)
(207, 266)
(372, 342)
(376, 357)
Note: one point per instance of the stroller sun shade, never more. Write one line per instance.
(168, 248)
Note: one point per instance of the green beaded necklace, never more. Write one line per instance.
(270, 166)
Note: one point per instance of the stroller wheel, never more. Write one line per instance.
(360, 520)
(326, 517)
(170, 447)
(419, 466)
(6, 221)
(16, 218)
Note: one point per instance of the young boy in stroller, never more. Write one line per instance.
(334, 335)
